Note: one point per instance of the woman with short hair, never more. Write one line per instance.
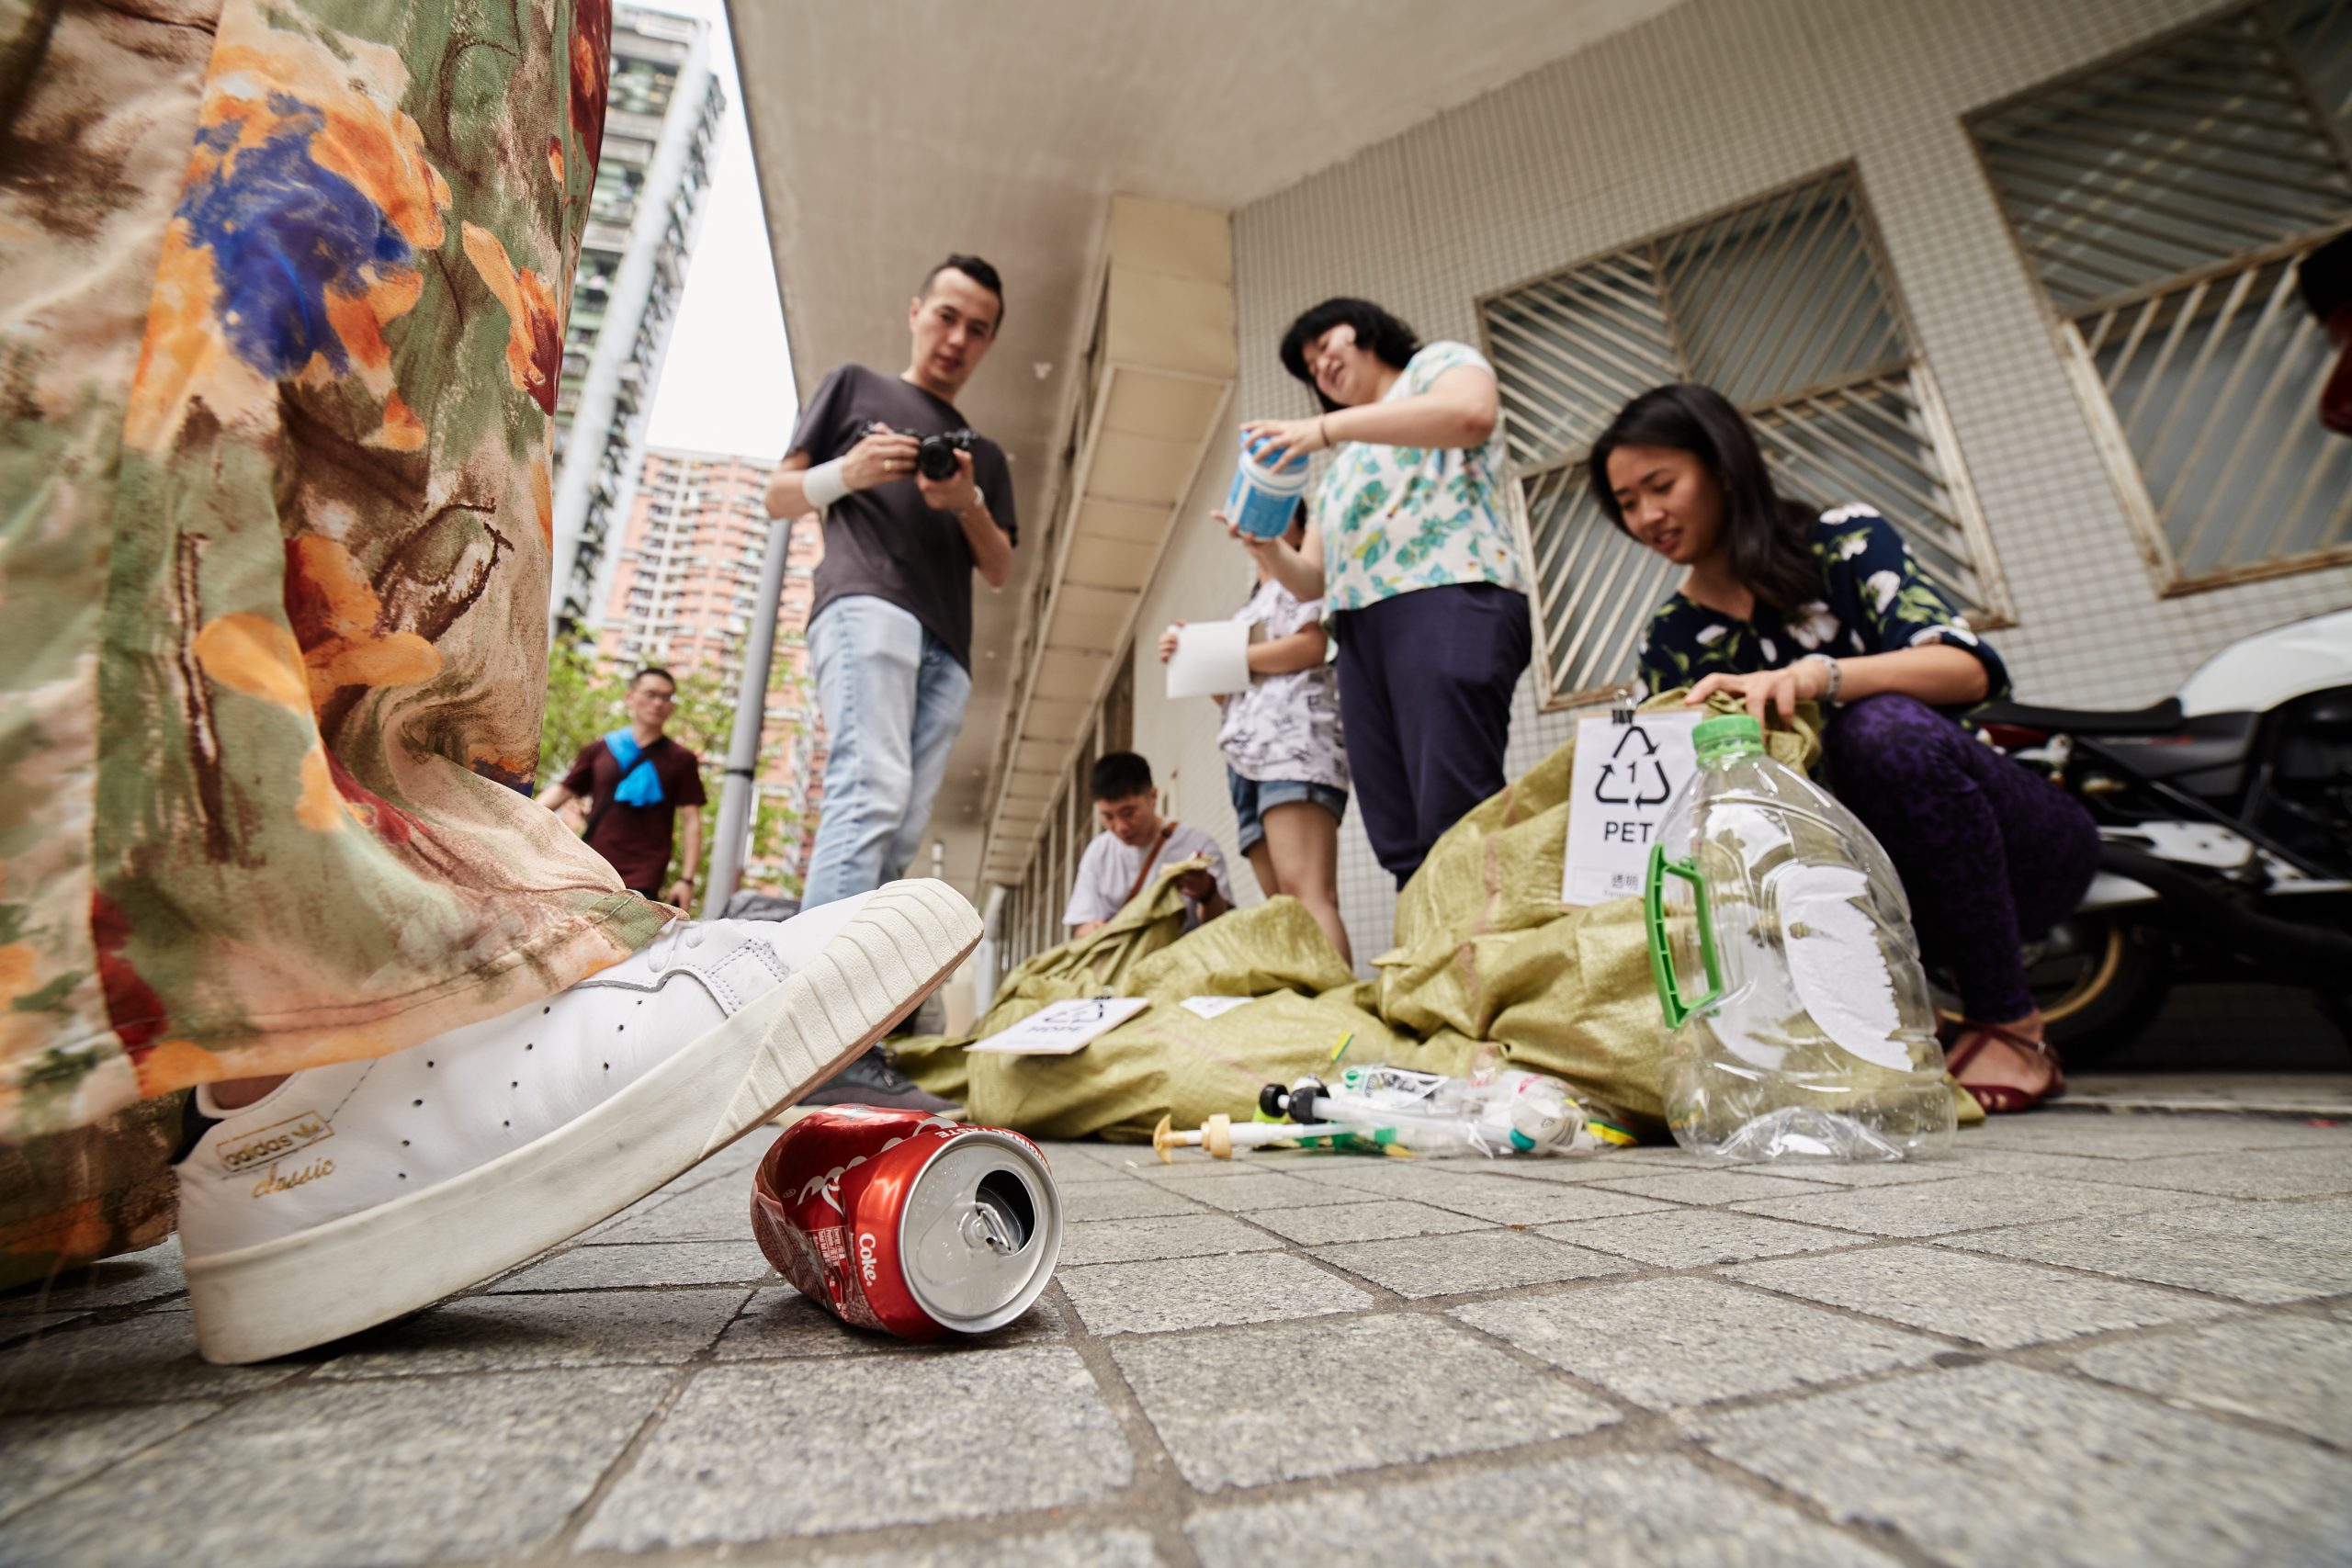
(1781, 605)
(1412, 552)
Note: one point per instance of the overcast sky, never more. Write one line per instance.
(727, 384)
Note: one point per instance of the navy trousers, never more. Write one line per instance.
(1425, 687)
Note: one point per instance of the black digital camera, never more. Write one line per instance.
(935, 458)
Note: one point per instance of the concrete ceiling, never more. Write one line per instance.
(889, 133)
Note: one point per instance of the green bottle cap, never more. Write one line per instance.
(1727, 736)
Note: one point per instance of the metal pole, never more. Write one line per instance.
(736, 796)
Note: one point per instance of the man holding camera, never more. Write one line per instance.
(914, 503)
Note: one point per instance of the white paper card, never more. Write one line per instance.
(1212, 658)
(1209, 1007)
(1065, 1027)
(1625, 775)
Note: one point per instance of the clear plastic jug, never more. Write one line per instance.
(1799, 1020)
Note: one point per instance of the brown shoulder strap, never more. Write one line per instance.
(1165, 831)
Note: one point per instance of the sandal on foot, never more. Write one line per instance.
(2002, 1098)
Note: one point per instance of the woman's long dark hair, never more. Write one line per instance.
(1769, 537)
(1378, 333)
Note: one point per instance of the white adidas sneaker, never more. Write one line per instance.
(358, 1192)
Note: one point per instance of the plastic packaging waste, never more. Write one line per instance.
(1799, 1024)
(1264, 495)
(1493, 1112)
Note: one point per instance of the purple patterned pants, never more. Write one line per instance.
(1991, 854)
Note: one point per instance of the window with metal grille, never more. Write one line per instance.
(1785, 305)
(2162, 201)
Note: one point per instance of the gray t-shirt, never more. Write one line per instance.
(1108, 868)
(884, 542)
(1285, 729)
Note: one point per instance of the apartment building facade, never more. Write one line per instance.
(664, 109)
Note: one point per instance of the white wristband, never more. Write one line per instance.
(824, 484)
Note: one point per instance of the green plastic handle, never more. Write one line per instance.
(1669, 994)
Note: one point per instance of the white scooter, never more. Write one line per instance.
(2225, 820)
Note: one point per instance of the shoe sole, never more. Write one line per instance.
(369, 1267)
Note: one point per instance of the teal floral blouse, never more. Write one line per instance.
(1874, 599)
(1398, 518)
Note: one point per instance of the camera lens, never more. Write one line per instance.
(936, 458)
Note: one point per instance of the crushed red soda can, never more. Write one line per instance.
(907, 1222)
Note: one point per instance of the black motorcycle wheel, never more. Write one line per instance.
(2099, 982)
(2102, 998)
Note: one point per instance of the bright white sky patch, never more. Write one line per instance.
(727, 383)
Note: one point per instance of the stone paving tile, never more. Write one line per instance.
(2251, 1252)
(1669, 1342)
(1709, 1186)
(1512, 1203)
(2151, 1137)
(1380, 1220)
(1692, 1239)
(49, 1453)
(119, 1281)
(1998, 1465)
(25, 1325)
(754, 1452)
(147, 1359)
(1057, 1549)
(521, 1333)
(1602, 1165)
(1205, 1292)
(785, 1322)
(1080, 1156)
(2004, 1305)
(716, 1211)
(1255, 1190)
(1121, 1200)
(1180, 1235)
(2274, 1173)
(1611, 1510)
(645, 1263)
(1384, 1177)
(403, 1470)
(1229, 1405)
(1884, 1173)
(1477, 1260)
(1968, 1202)
(2291, 1370)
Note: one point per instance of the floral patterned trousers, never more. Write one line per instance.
(282, 286)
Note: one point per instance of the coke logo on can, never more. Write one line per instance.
(907, 1222)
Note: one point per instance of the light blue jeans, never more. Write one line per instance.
(893, 699)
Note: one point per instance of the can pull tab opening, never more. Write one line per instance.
(1002, 1217)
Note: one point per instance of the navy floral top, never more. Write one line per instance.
(1874, 600)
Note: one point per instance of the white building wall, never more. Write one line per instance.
(1709, 104)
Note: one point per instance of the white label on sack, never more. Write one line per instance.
(1209, 1007)
(1625, 775)
(1835, 963)
(1064, 1027)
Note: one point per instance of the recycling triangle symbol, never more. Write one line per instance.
(1641, 778)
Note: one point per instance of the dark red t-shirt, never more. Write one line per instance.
(636, 838)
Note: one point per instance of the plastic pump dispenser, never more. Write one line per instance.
(1799, 1022)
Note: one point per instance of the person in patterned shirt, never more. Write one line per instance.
(1783, 604)
(1415, 558)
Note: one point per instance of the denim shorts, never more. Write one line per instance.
(1252, 798)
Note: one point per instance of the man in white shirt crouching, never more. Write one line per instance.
(1136, 841)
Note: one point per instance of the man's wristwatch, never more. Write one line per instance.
(1831, 664)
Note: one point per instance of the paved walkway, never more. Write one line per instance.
(2091, 1338)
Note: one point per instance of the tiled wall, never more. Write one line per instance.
(1704, 106)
